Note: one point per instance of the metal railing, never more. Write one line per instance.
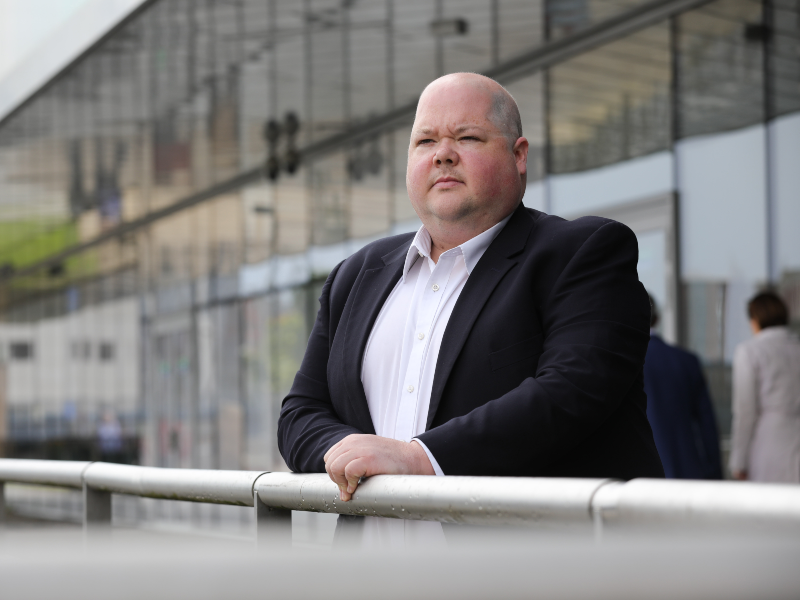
(465, 500)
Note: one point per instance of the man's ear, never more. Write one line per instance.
(521, 155)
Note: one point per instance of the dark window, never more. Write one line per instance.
(106, 351)
(21, 350)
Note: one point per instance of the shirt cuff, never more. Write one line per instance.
(436, 468)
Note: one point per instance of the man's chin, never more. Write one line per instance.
(452, 208)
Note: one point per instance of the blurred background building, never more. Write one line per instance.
(172, 199)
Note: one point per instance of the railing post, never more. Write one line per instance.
(3, 516)
(604, 505)
(273, 526)
(96, 508)
(597, 524)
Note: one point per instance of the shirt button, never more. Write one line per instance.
(420, 336)
(410, 388)
(435, 287)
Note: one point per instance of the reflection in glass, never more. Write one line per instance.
(611, 104)
(720, 67)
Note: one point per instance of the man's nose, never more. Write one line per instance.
(446, 154)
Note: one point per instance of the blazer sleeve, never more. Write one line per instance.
(596, 326)
(308, 424)
(745, 408)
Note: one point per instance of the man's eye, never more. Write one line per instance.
(425, 141)
(471, 138)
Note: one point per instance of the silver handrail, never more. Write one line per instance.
(671, 501)
(61, 473)
(193, 485)
(468, 500)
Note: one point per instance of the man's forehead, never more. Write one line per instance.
(443, 109)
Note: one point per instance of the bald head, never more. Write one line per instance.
(467, 159)
(503, 111)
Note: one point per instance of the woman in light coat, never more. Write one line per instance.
(765, 444)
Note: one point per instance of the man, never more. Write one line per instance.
(679, 410)
(496, 341)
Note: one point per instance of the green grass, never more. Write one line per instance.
(23, 243)
(26, 242)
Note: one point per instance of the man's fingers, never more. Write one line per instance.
(357, 456)
(332, 449)
(337, 476)
(345, 471)
(335, 453)
(336, 467)
(353, 472)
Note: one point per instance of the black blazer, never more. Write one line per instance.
(540, 367)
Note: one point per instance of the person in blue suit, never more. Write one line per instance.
(679, 410)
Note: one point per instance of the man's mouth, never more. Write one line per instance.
(446, 182)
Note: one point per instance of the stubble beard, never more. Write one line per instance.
(454, 215)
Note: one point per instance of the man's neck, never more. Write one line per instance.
(446, 236)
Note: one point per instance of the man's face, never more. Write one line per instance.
(461, 168)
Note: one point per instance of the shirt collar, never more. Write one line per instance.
(472, 249)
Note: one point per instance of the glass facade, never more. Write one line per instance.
(171, 203)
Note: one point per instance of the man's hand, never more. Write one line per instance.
(362, 455)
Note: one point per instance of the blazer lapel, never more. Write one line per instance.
(493, 265)
(373, 290)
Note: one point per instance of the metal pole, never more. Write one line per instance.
(767, 48)
(273, 526)
(679, 328)
(96, 508)
(3, 515)
(597, 525)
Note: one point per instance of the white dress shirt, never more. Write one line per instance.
(401, 354)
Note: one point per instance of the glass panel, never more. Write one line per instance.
(565, 17)
(529, 94)
(415, 48)
(276, 329)
(368, 50)
(330, 69)
(522, 25)
(329, 190)
(370, 210)
(611, 104)
(720, 67)
(472, 49)
(784, 56)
